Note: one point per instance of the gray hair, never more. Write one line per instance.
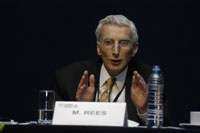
(117, 20)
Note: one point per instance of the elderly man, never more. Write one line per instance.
(114, 77)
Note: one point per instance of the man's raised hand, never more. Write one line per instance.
(85, 92)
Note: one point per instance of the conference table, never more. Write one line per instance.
(91, 129)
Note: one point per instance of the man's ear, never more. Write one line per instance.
(98, 49)
(135, 48)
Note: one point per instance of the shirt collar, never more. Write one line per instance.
(120, 78)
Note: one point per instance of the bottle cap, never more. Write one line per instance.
(156, 68)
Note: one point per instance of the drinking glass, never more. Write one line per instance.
(46, 106)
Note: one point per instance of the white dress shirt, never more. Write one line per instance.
(118, 86)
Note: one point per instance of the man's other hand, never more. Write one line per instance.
(139, 92)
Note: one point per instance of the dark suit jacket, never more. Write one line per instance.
(68, 78)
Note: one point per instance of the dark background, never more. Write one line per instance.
(38, 37)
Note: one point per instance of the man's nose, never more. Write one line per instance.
(116, 49)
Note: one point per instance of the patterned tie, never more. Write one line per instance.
(106, 94)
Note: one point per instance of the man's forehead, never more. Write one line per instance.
(116, 30)
(116, 26)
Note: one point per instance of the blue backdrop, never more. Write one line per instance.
(38, 37)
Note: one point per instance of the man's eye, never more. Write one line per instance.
(107, 42)
(124, 43)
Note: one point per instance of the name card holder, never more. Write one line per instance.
(90, 114)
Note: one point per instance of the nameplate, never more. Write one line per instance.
(90, 114)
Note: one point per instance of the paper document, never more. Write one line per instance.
(132, 123)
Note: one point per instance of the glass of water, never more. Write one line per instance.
(46, 106)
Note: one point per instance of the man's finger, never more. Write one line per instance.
(138, 77)
(92, 81)
(86, 77)
(81, 81)
(83, 78)
(138, 80)
(133, 80)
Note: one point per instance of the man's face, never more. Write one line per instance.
(116, 48)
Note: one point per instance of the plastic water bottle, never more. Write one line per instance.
(155, 98)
